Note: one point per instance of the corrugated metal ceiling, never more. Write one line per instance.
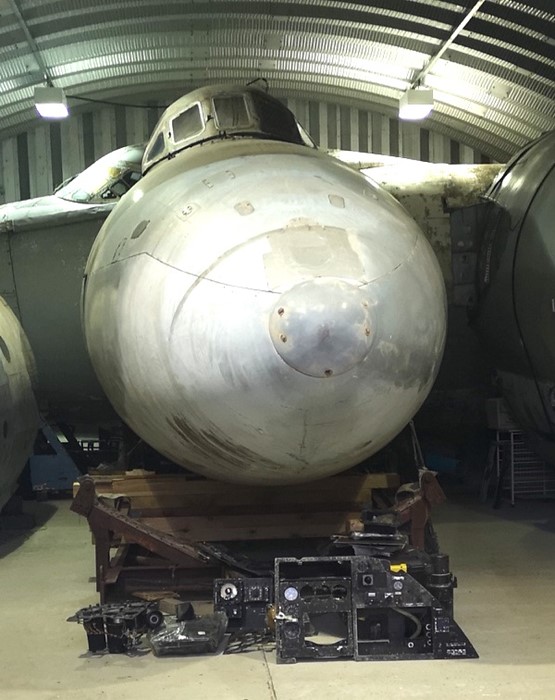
(494, 80)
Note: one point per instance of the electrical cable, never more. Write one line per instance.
(412, 618)
(151, 106)
(243, 642)
(116, 104)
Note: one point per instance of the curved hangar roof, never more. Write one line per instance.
(491, 63)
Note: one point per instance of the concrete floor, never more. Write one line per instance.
(504, 561)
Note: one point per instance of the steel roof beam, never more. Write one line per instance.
(447, 43)
(32, 43)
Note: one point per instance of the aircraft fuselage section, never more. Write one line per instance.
(18, 410)
(516, 310)
(258, 311)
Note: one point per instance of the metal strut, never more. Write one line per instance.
(105, 521)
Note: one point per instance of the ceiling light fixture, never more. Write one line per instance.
(51, 102)
(416, 103)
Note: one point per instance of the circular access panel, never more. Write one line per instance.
(322, 327)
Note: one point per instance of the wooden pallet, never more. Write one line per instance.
(204, 510)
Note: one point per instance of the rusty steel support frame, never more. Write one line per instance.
(105, 522)
(185, 564)
(411, 509)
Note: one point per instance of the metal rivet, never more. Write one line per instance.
(281, 311)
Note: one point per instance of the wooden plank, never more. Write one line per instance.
(204, 496)
(259, 527)
(213, 510)
(168, 484)
(207, 510)
(209, 497)
(102, 484)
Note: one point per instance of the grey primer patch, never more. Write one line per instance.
(336, 201)
(244, 208)
(4, 349)
(140, 228)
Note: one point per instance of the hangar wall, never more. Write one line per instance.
(37, 160)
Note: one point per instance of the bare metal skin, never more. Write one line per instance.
(45, 243)
(256, 310)
(18, 411)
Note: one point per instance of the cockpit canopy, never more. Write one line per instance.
(221, 112)
(107, 179)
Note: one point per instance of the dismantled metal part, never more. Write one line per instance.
(373, 543)
(245, 601)
(241, 642)
(105, 521)
(203, 635)
(359, 608)
(351, 607)
(409, 513)
(104, 518)
(117, 628)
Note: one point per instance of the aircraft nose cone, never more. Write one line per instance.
(322, 327)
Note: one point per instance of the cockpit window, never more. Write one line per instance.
(231, 112)
(122, 185)
(186, 125)
(273, 120)
(157, 148)
(219, 112)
